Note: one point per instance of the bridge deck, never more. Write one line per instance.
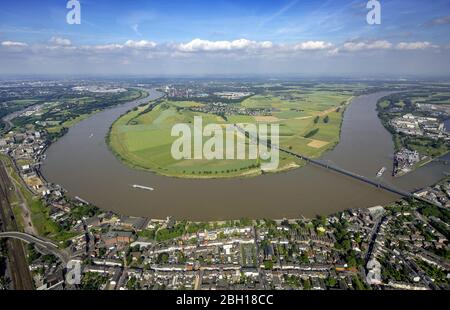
(345, 172)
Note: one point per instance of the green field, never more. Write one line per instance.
(76, 110)
(309, 124)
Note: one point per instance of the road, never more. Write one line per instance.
(7, 125)
(259, 262)
(373, 237)
(20, 273)
(341, 171)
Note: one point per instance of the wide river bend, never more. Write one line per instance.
(82, 163)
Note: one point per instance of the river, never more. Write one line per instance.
(82, 163)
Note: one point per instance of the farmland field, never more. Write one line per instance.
(309, 123)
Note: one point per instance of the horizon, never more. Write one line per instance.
(236, 76)
(204, 38)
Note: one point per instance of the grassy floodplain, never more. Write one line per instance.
(310, 122)
(132, 94)
(63, 113)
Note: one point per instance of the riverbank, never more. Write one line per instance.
(29, 203)
(106, 182)
(365, 146)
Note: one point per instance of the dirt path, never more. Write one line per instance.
(25, 211)
(26, 214)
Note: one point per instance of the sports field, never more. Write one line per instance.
(309, 124)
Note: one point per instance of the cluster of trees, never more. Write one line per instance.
(53, 136)
(312, 133)
(163, 258)
(439, 275)
(430, 210)
(207, 172)
(84, 211)
(163, 234)
(93, 281)
(396, 272)
(133, 284)
(344, 243)
(326, 119)
(184, 227)
(359, 284)
(33, 255)
(211, 99)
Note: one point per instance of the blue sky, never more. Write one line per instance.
(246, 36)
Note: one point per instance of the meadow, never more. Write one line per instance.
(309, 123)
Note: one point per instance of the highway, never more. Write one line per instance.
(44, 245)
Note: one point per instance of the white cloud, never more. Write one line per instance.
(211, 46)
(233, 52)
(225, 57)
(60, 41)
(313, 45)
(359, 46)
(13, 44)
(106, 47)
(142, 44)
(135, 28)
(130, 44)
(333, 52)
(439, 21)
(265, 44)
(414, 45)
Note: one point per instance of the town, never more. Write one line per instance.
(439, 194)
(224, 110)
(418, 127)
(397, 247)
(402, 245)
(427, 127)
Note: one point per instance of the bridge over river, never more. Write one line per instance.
(335, 168)
(358, 177)
(353, 175)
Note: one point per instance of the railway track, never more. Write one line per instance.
(20, 273)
